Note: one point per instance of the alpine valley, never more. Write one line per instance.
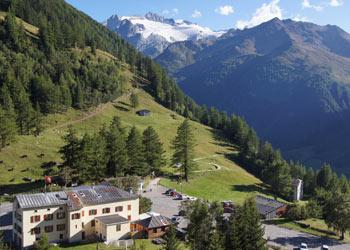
(290, 81)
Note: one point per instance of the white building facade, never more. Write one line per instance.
(82, 214)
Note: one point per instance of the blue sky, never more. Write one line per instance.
(224, 14)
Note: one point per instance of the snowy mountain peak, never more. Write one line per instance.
(153, 33)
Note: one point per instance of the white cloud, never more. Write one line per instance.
(265, 13)
(307, 5)
(170, 13)
(196, 14)
(336, 3)
(299, 18)
(225, 10)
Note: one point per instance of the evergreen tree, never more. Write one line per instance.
(254, 236)
(324, 176)
(136, 163)
(116, 149)
(71, 151)
(93, 160)
(171, 242)
(7, 129)
(337, 212)
(134, 100)
(153, 150)
(183, 145)
(278, 177)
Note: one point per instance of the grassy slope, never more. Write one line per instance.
(31, 29)
(229, 182)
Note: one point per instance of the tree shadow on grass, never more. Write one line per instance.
(251, 188)
(121, 108)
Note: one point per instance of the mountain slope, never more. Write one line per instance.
(152, 34)
(290, 80)
(164, 121)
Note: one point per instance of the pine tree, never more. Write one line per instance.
(71, 151)
(136, 164)
(116, 149)
(153, 150)
(183, 145)
(7, 129)
(93, 160)
(255, 231)
(171, 242)
(134, 100)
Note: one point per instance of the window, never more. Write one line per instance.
(119, 209)
(61, 215)
(35, 218)
(92, 212)
(48, 229)
(60, 227)
(163, 229)
(48, 209)
(92, 223)
(61, 236)
(129, 217)
(75, 216)
(106, 210)
(155, 230)
(61, 208)
(35, 211)
(82, 225)
(118, 228)
(48, 217)
(129, 207)
(35, 230)
(82, 213)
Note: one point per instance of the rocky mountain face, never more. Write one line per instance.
(290, 80)
(152, 34)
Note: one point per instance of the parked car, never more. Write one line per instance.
(169, 191)
(158, 241)
(325, 247)
(176, 220)
(173, 193)
(190, 198)
(303, 246)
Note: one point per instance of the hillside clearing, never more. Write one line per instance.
(22, 158)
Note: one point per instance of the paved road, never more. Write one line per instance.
(291, 239)
(288, 239)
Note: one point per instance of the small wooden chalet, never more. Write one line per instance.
(151, 226)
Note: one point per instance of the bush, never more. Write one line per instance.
(297, 212)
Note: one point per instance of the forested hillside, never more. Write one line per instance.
(281, 76)
(60, 69)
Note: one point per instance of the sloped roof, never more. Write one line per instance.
(75, 198)
(154, 221)
(42, 199)
(266, 205)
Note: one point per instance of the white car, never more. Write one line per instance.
(303, 246)
(190, 198)
(325, 247)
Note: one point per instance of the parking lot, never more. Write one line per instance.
(163, 204)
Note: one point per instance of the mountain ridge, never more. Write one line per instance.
(285, 76)
(152, 33)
